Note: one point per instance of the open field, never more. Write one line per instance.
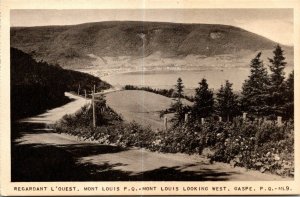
(140, 106)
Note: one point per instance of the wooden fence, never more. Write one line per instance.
(245, 118)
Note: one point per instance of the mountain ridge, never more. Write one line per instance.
(76, 46)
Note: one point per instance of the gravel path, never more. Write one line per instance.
(56, 114)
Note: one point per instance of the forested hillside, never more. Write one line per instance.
(37, 86)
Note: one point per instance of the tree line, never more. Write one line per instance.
(263, 94)
(37, 86)
(171, 93)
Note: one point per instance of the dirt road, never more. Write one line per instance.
(38, 154)
(55, 114)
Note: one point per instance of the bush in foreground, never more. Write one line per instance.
(259, 146)
(110, 128)
(263, 147)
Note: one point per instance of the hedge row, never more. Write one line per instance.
(263, 147)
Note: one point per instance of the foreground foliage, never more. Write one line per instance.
(262, 146)
(110, 128)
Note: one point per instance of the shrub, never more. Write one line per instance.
(264, 147)
(110, 128)
(260, 146)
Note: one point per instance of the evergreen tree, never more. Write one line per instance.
(255, 89)
(289, 96)
(178, 106)
(227, 101)
(277, 84)
(204, 102)
(277, 67)
(179, 89)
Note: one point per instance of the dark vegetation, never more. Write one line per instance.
(255, 145)
(204, 101)
(110, 128)
(258, 142)
(261, 146)
(252, 143)
(263, 95)
(269, 94)
(69, 45)
(171, 93)
(37, 86)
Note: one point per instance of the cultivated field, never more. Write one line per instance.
(140, 106)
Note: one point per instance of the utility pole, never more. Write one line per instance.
(78, 92)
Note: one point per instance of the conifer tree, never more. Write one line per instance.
(289, 96)
(204, 102)
(277, 84)
(255, 89)
(179, 89)
(227, 101)
(178, 106)
(277, 67)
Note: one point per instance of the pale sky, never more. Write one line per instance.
(275, 24)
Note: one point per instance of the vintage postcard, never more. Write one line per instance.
(149, 97)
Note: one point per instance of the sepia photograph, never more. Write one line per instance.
(151, 95)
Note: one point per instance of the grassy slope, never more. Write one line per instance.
(70, 45)
(140, 106)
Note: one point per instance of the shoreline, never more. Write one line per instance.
(95, 71)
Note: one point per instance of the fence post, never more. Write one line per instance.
(260, 121)
(220, 119)
(85, 93)
(166, 123)
(202, 121)
(279, 120)
(186, 118)
(244, 116)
